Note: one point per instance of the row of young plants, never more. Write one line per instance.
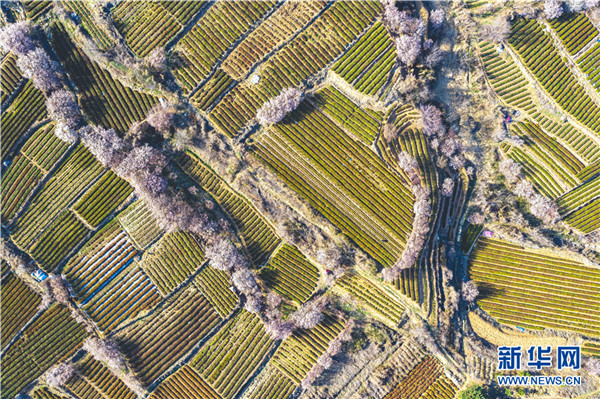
(185, 383)
(43, 147)
(94, 379)
(306, 54)
(579, 196)
(140, 225)
(172, 260)
(587, 218)
(371, 295)
(10, 77)
(589, 65)
(215, 286)
(272, 33)
(536, 171)
(211, 90)
(290, 274)
(26, 109)
(273, 384)
(526, 288)
(418, 381)
(106, 195)
(363, 124)
(298, 353)
(575, 31)
(230, 358)
(535, 48)
(35, 9)
(17, 184)
(368, 62)
(258, 236)
(50, 339)
(18, 304)
(154, 344)
(105, 100)
(591, 349)
(147, 25)
(83, 12)
(209, 39)
(510, 84)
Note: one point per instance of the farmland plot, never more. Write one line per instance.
(215, 286)
(291, 274)
(10, 77)
(18, 304)
(186, 383)
(591, 349)
(231, 357)
(174, 328)
(85, 15)
(588, 63)
(579, 196)
(211, 90)
(319, 44)
(342, 179)
(45, 393)
(93, 379)
(172, 260)
(43, 148)
(575, 31)
(587, 218)
(147, 25)
(139, 224)
(105, 100)
(223, 24)
(298, 353)
(368, 63)
(35, 9)
(533, 290)
(272, 384)
(257, 234)
(51, 338)
(426, 380)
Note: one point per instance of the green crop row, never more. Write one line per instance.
(589, 64)
(10, 76)
(17, 184)
(215, 286)
(172, 260)
(212, 89)
(18, 304)
(575, 31)
(44, 148)
(104, 99)
(291, 274)
(229, 359)
(50, 339)
(306, 54)
(87, 22)
(35, 9)
(139, 223)
(185, 383)
(587, 218)
(579, 196)
(154, 344)
(274, 386)
(97, 378)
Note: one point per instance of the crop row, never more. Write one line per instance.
(589, 172)
(579, 196)
(83, 12)
(35, 9)
(18, 304)
(362, 124)
(291, 274)
(306, 54)
(536, 171)
(27, 108)
(138, 222)
(229, 359)
(374, 297)
(58, 239)
(589, 65)
(104, 99)
(186, 383)
(44, 148)
(273, 384)
(154, 344)
(298, 353)
(368, 63)
(10, 76)
(106, 195)
(223, 24)
(575, 31)
(122, 297)
(172, 260)
(510, 84)
(418, 381)
(591, 349)
(442, 388)
(17, 184)
(522, 287)
(535, 47)
(51, 338)
(470, 234)
(272, 33)
(147, 25)
(215, 286)
(73, 177)
(42, 392)
(258, 236)
(93, 379)
(211, 90)
(587, 218)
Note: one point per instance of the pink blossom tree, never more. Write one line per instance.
(58, 375)
(553, 9)
(104, 144)
(278, 107)
(37, 66)
(447, 187)
(16, 38)
(431, 120)
(469, 291)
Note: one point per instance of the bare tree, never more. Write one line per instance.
(310, 314)
(469, 291)
(278, 107)
(553, 9)
(437, 18)
(510, 169)
(59, 289)
(63, 109)
(161, 118)
(59, 375)
(431, 120)
(16, 38)
(104, 144)
(36, 65)
(157, 59)
(447, 187)
(253, 302)
(497, 31)
(593, 367)
(476, 218)
(223, 255)
(243, 279)
(408, 48)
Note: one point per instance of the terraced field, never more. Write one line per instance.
(186, 383)
(575, 31)
(520, 287)
(18, 304)
(85, 14)
(10, 77)
(426, 380)
(273, 384)
(215, 286)
(139, 224)
(93, 380)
